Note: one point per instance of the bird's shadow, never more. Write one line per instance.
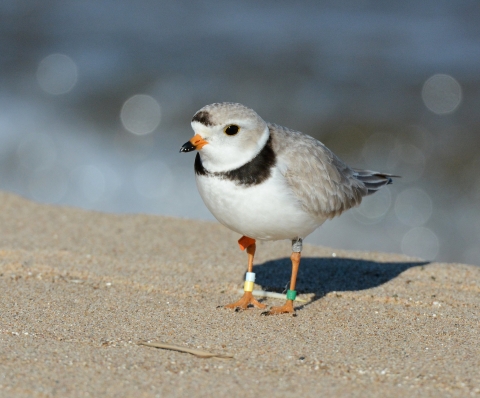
(321, 275)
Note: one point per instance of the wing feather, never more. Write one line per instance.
(324, 184)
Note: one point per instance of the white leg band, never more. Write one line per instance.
(250, 277)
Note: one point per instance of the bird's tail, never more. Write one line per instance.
(373, 180)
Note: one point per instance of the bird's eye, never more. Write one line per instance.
(232, 129)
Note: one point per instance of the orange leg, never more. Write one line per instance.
(288, 306)
(247, 299)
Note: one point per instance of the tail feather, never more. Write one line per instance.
(373, 180)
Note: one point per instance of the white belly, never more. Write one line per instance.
(268, 211)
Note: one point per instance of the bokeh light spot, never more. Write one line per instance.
(441, 94)
(140, 114)
(57, 74)
(407, 161)
(413, 207)
(420, 242)
(373, 207)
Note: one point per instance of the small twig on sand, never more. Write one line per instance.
(198, 353)
(263, 293)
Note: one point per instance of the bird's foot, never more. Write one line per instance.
(245, 301)
(287, 308)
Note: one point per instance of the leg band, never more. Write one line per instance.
(291, 294)
(297, 245)
(250, 277)
(248, 286)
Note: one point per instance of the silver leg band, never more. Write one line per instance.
(297, 245)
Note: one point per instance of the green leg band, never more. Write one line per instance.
(291, 294)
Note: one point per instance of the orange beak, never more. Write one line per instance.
(196, 142)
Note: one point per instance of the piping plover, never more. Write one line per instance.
(268, 182)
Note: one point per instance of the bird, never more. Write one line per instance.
(268, 182)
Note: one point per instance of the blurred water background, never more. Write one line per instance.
(96, 98)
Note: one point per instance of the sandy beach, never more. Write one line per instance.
(80, 289)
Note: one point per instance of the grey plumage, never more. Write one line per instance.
(324, 184)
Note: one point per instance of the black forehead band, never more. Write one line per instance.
(203, 117)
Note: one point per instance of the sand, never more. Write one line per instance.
(80, 289)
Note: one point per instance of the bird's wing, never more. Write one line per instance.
(324, 184)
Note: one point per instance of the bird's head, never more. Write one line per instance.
(227, 135)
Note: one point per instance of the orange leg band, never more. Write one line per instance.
(244, 242)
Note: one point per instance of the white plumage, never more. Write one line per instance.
(267, 211)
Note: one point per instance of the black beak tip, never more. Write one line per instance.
(187, 147)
